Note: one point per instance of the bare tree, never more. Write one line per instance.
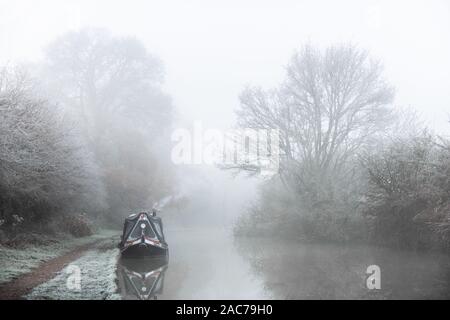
(103, 77)
(113, 85)
(331, 104)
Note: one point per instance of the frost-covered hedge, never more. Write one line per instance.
(44, 166)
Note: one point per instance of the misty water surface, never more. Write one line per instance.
(213, 265)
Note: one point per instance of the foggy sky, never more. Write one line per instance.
(211, 49)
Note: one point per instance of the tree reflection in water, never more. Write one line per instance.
(292, 270)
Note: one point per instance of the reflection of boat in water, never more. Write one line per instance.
(141, 279)
(143, 235)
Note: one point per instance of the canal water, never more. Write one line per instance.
(214, 265)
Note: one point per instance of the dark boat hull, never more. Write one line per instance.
(144, 250)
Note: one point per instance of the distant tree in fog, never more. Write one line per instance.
(331, 104)
(104, 76)
(113, 85)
